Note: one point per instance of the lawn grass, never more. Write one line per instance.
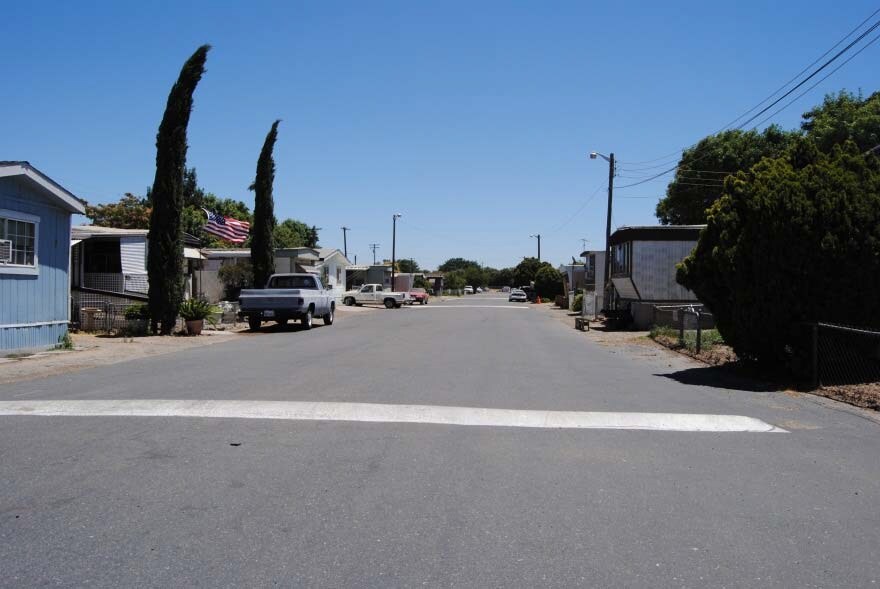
(669, 337)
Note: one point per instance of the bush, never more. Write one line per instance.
(138, 311)
(236, 277)
(578, 304)
(548, 282)
(794, 239)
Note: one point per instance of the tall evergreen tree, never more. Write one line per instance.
(262, 242)
(165, 259)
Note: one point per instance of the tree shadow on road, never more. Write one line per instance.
(734, 376)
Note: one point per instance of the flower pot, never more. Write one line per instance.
(194, 326)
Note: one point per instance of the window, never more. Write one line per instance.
(301, 282)
(22, 230)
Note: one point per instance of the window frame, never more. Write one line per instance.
(25, 269)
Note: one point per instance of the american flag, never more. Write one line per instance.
(226, 227)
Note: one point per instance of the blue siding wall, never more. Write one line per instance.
(44, 297)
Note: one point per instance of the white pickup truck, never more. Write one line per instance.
(288, 296)
(375, 294)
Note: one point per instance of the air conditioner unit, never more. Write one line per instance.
(5, 251)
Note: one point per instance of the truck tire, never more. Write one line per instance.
(307, 319)
(254, 323)
(328, 318)
(349, 301)
(389, 303)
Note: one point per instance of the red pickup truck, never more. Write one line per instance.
(418, 295)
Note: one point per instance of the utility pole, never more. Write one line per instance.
(345, 231)
(374, 247)
(538, 235)
(394, 219)
(608, 224)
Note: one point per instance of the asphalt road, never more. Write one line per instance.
(183, 501)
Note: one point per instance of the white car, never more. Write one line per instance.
(469, 290)
(479, 289)
(517, 296)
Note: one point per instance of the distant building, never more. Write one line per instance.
(35, 213)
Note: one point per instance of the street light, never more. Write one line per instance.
(394, 219)
(610, 160)
(538, 235)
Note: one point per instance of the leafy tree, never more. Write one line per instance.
(844, 116)
(525, 271)
(794, 239)
(548, 281)
(422, 282)
(165, 259)
(454, 280)
(407, 266)
(457, 264)
(291, 233)
(235, 277)
(130, 212)
(503, 277)
(474, 276)
(262, 245)
(697, 182)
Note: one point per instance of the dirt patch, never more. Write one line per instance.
(716, 355)
(865, 395)
(99, 350)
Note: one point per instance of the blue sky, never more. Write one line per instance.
(472, 119)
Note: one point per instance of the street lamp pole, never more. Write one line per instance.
(538, 235)
(345, 231)
(610, 160)
(394, 219)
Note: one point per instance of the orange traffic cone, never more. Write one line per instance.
(538, 300)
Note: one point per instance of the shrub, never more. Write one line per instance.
(794, 239)
(578, 305)
(548, 282)
(137, 311)
(235, 277)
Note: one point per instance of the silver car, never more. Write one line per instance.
(517, 296)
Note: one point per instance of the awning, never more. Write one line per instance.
(191, 253)
(625, 288)
(73, 242)
(310, 269)
(307, 256)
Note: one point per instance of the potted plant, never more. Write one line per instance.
(194, 312)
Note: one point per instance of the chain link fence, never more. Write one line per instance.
(844, 355)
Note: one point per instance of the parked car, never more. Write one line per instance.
(469, 290)
(418, 295)
(286, 297)
(479, 289)
(375, 294)
(505, 289)
(530, 292)
(517, 296)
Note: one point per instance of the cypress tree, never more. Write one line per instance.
(262, 242)
(165, 254)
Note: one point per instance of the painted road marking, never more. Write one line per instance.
(467, 307)
(373, 412)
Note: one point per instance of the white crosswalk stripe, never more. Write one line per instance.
(374, 412)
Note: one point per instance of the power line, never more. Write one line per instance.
(788, 93)
(581, 208)
(803, 71)
(831, 73)
(808, 78)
